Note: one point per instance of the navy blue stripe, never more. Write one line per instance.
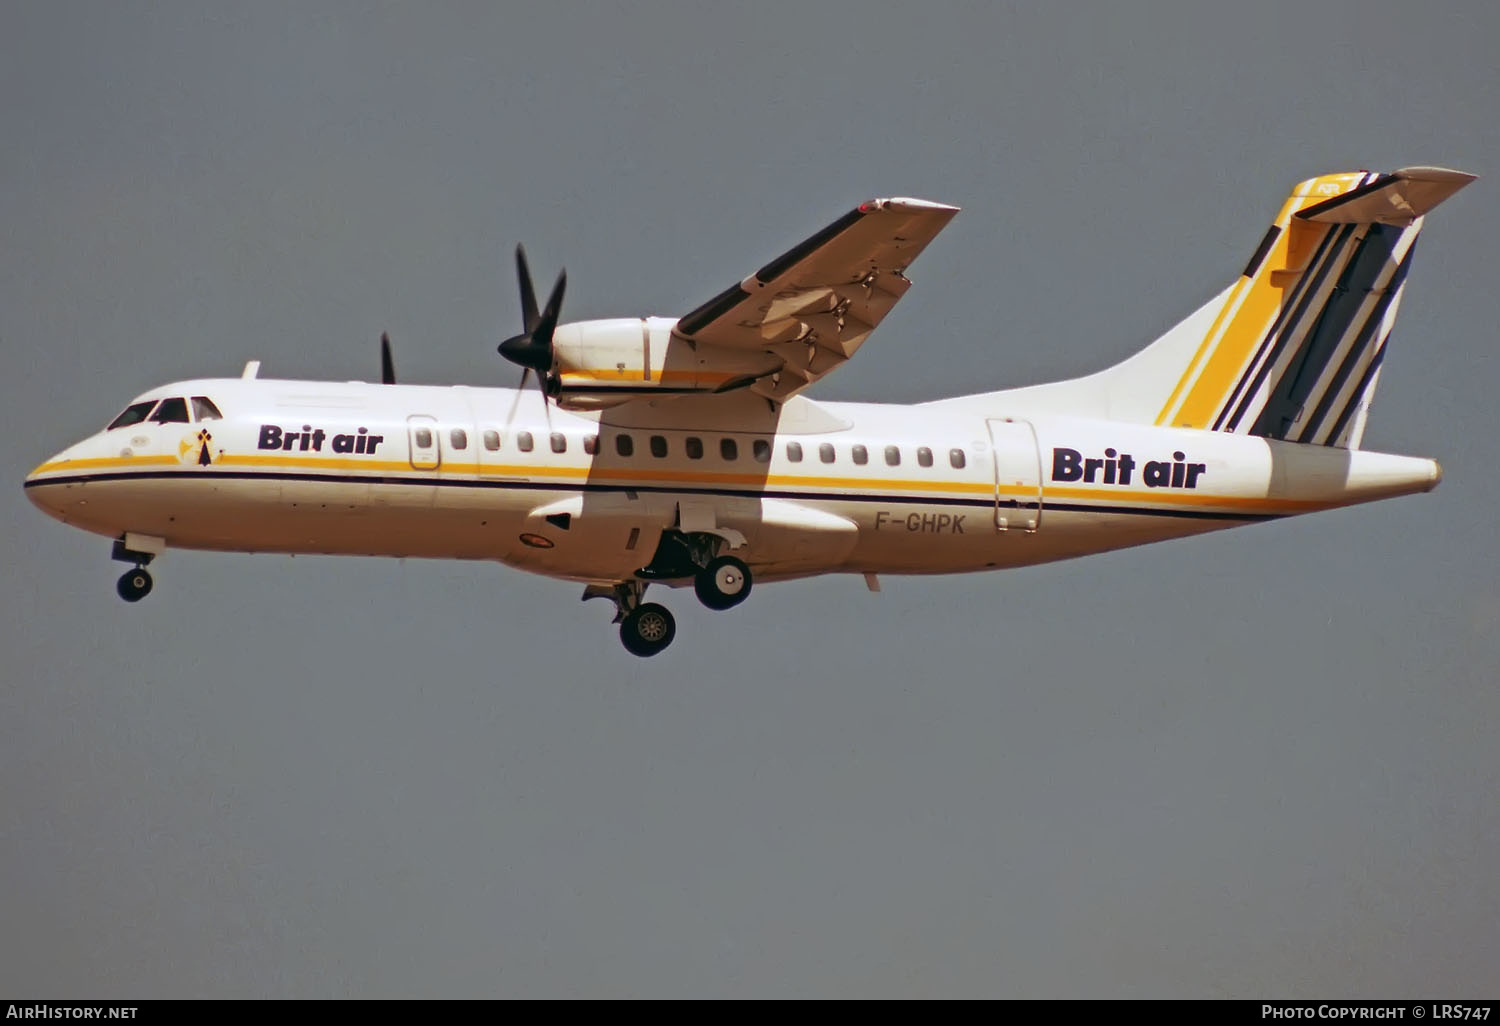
(1290, 392)
(1351, 359)
(776, 268)
(695, 320)
(1259, 256)
(976, 503)
(1307, 213)
(1299, 293)
(1284, 338)
(1359, 393)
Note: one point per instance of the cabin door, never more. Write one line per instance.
(1018, 475)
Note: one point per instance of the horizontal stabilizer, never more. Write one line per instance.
(1397, 198)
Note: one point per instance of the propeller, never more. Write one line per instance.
(387, 365)
(532, 349)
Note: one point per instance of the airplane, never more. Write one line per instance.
(682, 452)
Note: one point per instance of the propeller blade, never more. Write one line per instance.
(533, 347)
(547, 323)
(387, 365)
(528, 294)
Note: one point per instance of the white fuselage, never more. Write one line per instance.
(447, 472)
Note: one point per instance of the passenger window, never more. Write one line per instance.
(132, 414)
(893, 456)
(559, 442)
(204, 409)
(658, 446)
(861, 455)
(694, 448)
(492, 441)
(590, 444)
(924, 456)
(524, 441)
(794, 452)
(762, 450)
(458, 438)
(423, 437)
(825, 452)
(171, 411)
(728, 449)
(624, 445)
(956, 457)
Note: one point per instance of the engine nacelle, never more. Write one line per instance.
(603, 363)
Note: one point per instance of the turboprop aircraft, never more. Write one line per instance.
(681, 451)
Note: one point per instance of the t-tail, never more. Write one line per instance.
(1292, 349)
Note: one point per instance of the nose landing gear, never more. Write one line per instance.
(134, 585)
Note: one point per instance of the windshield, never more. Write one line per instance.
(134, 414)
(171, 411)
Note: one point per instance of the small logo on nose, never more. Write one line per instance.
(195, 448)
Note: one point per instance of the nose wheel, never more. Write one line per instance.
(134, 585)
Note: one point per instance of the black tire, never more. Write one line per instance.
(723, 584)
(648, 629)
(134, 585)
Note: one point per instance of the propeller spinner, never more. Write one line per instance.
(532, 349)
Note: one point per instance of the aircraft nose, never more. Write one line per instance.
(43, 492)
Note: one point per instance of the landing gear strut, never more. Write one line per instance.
(645, 627)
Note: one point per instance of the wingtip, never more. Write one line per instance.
(1422, 173)
(904, 203)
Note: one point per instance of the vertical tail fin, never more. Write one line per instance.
(1294, 347)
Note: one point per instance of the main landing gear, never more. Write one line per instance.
(645, 627)
(721, 582)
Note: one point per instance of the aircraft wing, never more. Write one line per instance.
(814, 305)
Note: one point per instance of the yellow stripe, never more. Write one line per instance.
(1225, 364)
(704, 378)
(1213, 331)
(107, 461)
(1182, 500)
(522, 470)
(1208, 503)
(310, 462)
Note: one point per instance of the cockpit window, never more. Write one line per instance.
(204, 409)
(171, 411)
(134, 414)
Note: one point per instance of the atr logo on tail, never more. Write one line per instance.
(1119, 468)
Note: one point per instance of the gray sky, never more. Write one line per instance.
(1248, 764)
